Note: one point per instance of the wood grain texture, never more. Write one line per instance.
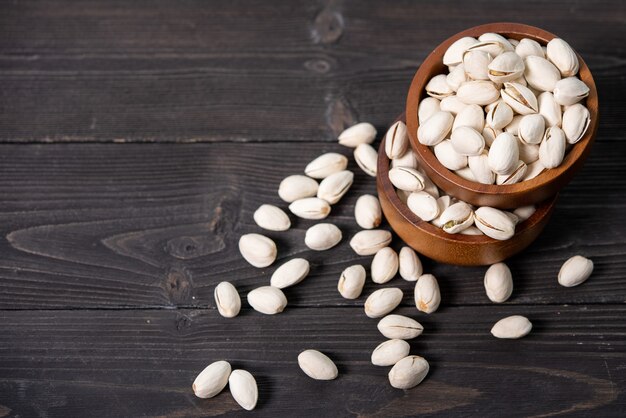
(290, 70)
(142, 363)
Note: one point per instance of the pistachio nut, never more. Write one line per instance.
(504, 154)
(494, 223)
(576, 121)
(366, 158)
(435, 128)
(531, 129)
(472, 230)
(268, 300)
(310, 208)
(524, 212)
(513, 127)
(552, 148)
(452, 104)
(384, 265)
(528, 47)
(467, 141)
(496, 37)
(423, 205)
(290, 273)
(507, 66)
(563, 57)
(443, 203)
(454, 53)
(390, 352)
(227, 300)
(427, 107)
(325, 165)
(533, 170)
(212, 380)
(513, 42)
(512, 327)
(399, 327)
(456, 77)
(521, 99)
(457, 217)
(243, 389)
(479, 166)
(493, 48)
(445, 153)
(540, 73)
(257, 249)
(575, 271)
(465, 173)
(317, 365)
(368, 242)
(498, 283)
(515, 176)
(549, 109)
(396, 140)
(410, 265)
(333, 187)
(322, 236)
(407, 160)
(472, 116)
(528, 153)
(431, 188)
(475, 63)
(297, 187)
(408, 372)
(570, 90)
(367, 212)
(480, 92)
(499, 115)
(490, 134)
(438, 87)
(382, 301)
(272, 218)
(407, 179)
(427, 294)
(351, 282)
(361, 133)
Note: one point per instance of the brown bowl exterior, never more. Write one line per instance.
(465, 250)
(542, 187)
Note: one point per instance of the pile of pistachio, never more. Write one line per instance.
(507, 110)
(309, 199)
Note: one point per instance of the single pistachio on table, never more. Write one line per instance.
(498, 283)
(575, 271)
(521, 99)
(368, 242)
(390, 352)
(540, 73)
(507, 66)
(479, 166)
(268, 300)
(310, 208)
(454, 53)
(448, 157)
(272, 218)
(382, 301)
(527, 47)
(549, 109)
(257, 249)
(322, 236)
(467, 141)
(408, 372)
(366, 158)
(410, 266)
(563, 57)
(212, 380)
(333, 187)
(400, 327)
(317, 365)
(576, 121)
(427, 294)
(494, 223)
(408, 179)
(325, 165)
(570, 90)
(351, 282)
(297, 187)
(427, 107)
(396, 140)
(384, 265)
(367, 211)
(499, 115)
(438, 87)
(243, 388)
(503, 154)
(480, 92)
(513, 177)
(457, 217)
(423, 205)
(471, 116)
(531, 129)
(290, 273)
(475, 63)
(512, 327)
(227, 300)
(435, 128)
(361, 133)
(552, 148)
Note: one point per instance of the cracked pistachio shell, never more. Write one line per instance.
(438, 87)
(490, 134)
(407, 160)
(499, 115)
(507, 66)
(410, 265)
(297, 187)
(475, 63)
(515, 176)
(454, 53)
(227, 300)
(531, 129)
(257, 249)
(552, 148)
(534, 169)
(570, 90)
(212, 380)
(445, 153)
(442, 202)
(467, 141)
(399, 327)
(322, 236)
(493, 48)
(407, 179)
(310, 208)
(243, 388)
(479, 166)
(333, 187)
(427, 294)
(384, 265)
(563, 57)
(390, 352)
(512, 327)
(368, 242)
(427, 107)
(366, 158)
(408, 372)
(495, 37)
(367, 211)
(494, 223)
(480, 92)
(361, 133)
(456, 77)
(317, 365)
(575, 271)
(576, 121)
(471, 116)
(435, 128)
(424, 205)
(504, 154)
(325, 165)
(521, 99)
(382, 301)
(457, 217)
(528, 153)
(498, 283)
(268, 300)
(351, 282)
(528, 47)
(524, 212)
(396, 140)
(540, 73)
(290, 273)
(271, 218)
(549, 109)
(452, 104)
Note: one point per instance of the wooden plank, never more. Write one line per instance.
(142, 362)
(157, 225)
(195, 71)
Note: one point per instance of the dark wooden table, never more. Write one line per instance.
(138, 137)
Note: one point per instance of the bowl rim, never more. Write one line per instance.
(546, 178)
(542, 209)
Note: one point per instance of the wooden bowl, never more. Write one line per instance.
(433, 242)
(538, 189)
